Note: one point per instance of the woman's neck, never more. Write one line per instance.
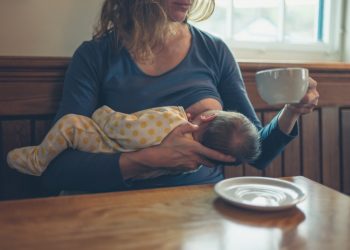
(168, 55)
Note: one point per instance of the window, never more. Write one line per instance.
(266, 29)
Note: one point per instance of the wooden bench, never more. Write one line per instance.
(30, 91)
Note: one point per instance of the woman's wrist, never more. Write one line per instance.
(287, 119)
(132, 164)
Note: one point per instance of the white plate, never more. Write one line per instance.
(260, 193)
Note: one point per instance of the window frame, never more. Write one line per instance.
(329, 50)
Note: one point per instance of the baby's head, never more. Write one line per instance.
(232, 133)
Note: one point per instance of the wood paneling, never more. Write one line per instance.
(234, 171)
(311, 146)
(41, 127)
(29, 98)
(292, 158)
(31, 85)
(345, 146)
(330, 147)
(14, 134)
(30, 90)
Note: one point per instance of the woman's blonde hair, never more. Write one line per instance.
(142, 25)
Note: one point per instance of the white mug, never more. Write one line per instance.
(282, 85)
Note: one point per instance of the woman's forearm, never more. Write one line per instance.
(133, 164)
(287, 120)
(82, 171)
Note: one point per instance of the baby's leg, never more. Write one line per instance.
(73, 131)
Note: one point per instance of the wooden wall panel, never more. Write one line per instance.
(330, 147)
(31, 85)
(345, 146)
(252, 171)
(311, 146)
(24, 99)
(15, 134)
(13, 184)
(41, 127)
(292, 158)
(234, 171)
(275, 167)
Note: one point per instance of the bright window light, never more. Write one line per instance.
(266, 29)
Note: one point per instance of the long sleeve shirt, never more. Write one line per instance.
(102, 73)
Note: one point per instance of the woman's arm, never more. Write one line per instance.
(177, 152)
(291, 112)
(72, 169)
(277, 133)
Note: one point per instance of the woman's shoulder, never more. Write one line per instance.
(98, 47)
(209, 45)
(206, 38)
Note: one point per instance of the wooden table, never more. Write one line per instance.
(191, 217)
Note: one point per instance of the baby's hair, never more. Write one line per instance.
(234, 134)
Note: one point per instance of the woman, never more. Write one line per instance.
(143, 55)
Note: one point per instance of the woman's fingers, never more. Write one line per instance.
(185, 129)
(311, 97)
(178, 151)
(198, 148)
(309, 101)
(213, 154)
(312, 83)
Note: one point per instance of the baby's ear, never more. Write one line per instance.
(204, 118)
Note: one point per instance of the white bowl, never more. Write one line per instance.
(282, 85)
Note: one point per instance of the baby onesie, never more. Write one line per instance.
(108, 131)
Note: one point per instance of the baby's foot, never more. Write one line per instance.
(25, 160)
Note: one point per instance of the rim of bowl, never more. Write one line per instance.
(281, 69)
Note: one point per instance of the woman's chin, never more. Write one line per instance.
(180, 18)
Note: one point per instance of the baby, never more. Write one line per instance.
(109, 131)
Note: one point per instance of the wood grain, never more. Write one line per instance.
(14, 134)
(41, 127)
(330, 148)
(234, 171)
(26, 98)
(190, 217)
(345, 140)
(275, 167)
(31, 85)
(311, 146)
(292, 158)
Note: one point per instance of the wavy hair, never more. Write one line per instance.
(141, 25)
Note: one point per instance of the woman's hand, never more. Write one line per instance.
(178, 152)
(309, 101)
(291, 112)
